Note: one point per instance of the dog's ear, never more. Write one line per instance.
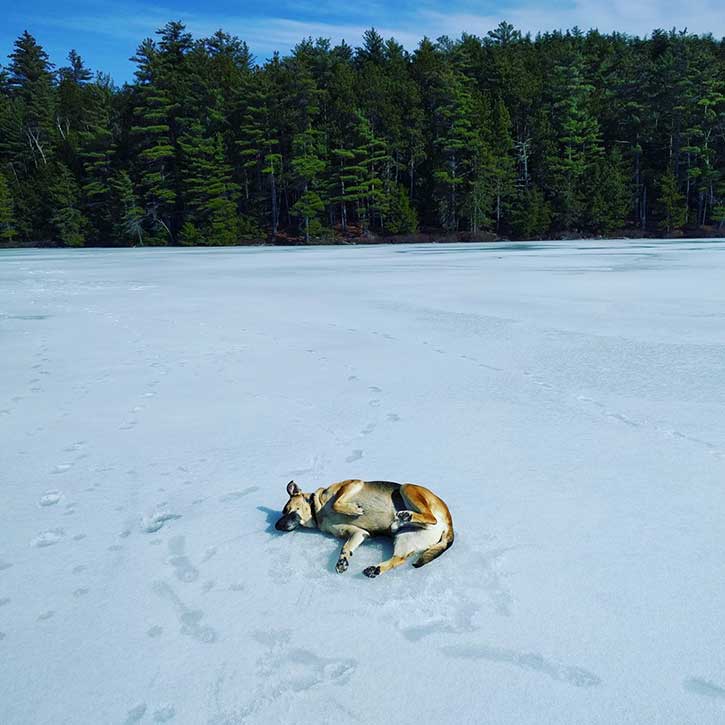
(293, 489)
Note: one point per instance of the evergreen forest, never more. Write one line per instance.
(504, 136)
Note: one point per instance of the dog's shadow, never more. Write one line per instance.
(382, 543)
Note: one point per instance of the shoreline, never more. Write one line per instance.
(409, 239)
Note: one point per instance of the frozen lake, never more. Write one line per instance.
(566, 399)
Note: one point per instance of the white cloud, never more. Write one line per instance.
(268, 34)
(634, 17)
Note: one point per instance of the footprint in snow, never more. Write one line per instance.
(209, 553)
(236, 495)
(48, 538)
(356, 455)
(62, 468)
(190, 619)
(290, 672)
(698, 686)
(185, 571)
(74, 447)
(533, 661)
(453, 618)
(135, 714)
(164, 714)
(50, 498)
(153, 522)
(4, 565)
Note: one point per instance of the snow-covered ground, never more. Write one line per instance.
(567, 401)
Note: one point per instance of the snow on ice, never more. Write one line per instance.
(565, 399)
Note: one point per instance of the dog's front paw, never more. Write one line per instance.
(405, 517)
(372, 571)
(342, 564)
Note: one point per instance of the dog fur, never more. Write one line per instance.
(417, 520)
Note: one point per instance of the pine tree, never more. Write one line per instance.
(28, 135)
(503, 171)
(671, 203)
(155, 153)
(579, 142)
(209, 191)
(256, 144)
(457, 145)
(530, 214)
(610, 195)
(7, 212)
(364, 176)
(71, 104)
(31, 84)
(307, 166)
(401, 217)
(128, 215)
(342, 177)
(69, 224)
(96, 149)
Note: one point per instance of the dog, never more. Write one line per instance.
(417, 520)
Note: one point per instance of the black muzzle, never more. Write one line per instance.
(288, 522)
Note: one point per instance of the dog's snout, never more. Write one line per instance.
(288, 522)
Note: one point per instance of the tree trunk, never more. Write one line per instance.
(275, 212)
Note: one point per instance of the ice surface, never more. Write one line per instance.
(566, 399)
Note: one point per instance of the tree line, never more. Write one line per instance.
(563, 133)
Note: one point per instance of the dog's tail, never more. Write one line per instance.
(433, 552)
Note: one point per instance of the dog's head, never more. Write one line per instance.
(297, 511)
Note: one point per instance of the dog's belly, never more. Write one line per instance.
(376, 523)
(378, 503)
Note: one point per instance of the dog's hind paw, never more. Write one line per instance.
(372, 571)
(404, 517)
(342, 564)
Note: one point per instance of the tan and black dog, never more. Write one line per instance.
(417, 520)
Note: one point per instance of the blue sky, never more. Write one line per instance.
(106, 34)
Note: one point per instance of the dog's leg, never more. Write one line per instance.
(383, 566)
(420, 512)
(357, 536)
(344, 504)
